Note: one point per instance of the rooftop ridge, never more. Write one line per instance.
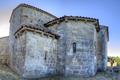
(81, 17)
(35, 8)
(64, 18)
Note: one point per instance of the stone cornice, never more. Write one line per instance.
(32, 7)
(74, 18)
(37, 30)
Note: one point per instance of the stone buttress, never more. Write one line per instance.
(103, 38)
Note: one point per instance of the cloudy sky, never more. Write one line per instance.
(107, 11)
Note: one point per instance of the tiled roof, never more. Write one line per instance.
(34, 29)
(76, 18)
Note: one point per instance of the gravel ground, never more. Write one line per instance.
(99, 76)
(7, 74)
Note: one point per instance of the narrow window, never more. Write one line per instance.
(45, 55)
(74, 47)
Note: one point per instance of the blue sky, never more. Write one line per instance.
(107, 11)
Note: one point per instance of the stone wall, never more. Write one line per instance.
(34, 17)
(60, 29)
(19, 55)
(4, 50)
(80, 48)
(41, 55)
(25, 14)
(15, 23)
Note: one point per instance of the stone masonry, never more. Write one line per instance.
(41, 45)
(4, 50)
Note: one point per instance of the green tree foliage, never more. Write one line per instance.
(116, 59)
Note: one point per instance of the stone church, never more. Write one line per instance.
(41, 44)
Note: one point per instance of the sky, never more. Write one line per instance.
(107, 11)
